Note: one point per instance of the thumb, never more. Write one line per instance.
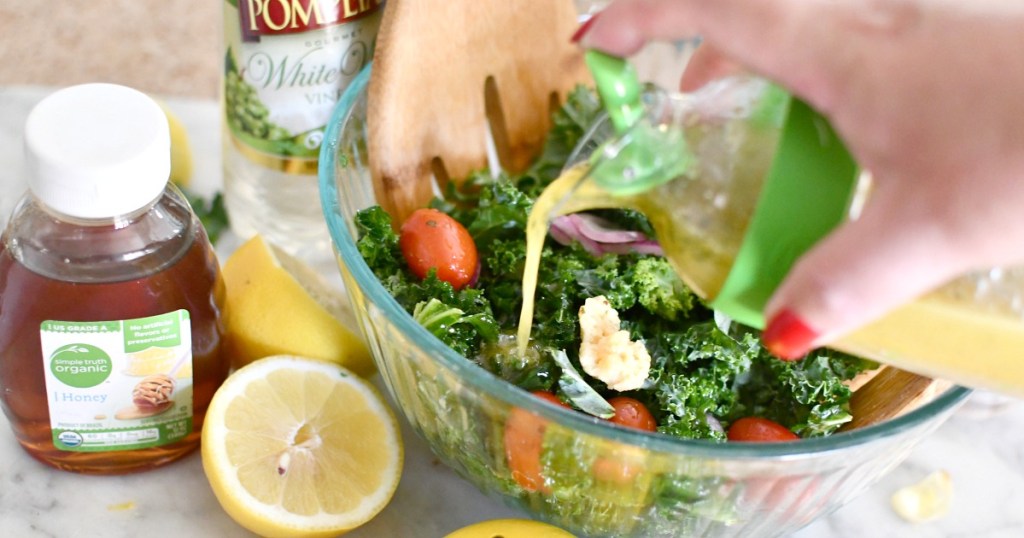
(893, 253)
(707, 64)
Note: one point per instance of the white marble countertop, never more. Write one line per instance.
(982, 446)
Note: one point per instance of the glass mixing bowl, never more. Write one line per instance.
(601, 479)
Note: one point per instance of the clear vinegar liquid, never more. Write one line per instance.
(27, 298)
(282, 207)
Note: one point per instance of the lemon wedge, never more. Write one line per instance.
(927, 500)
(277, 305)
(299, 447)
(181, 149)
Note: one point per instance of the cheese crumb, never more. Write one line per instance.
(607, 353)
(927, 500)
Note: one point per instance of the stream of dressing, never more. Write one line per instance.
(570, 193)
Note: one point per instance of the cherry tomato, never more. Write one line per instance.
(621, 468)
(430, 239)
(524, 442)
(632, 414)
(791, 497)
(758, 429)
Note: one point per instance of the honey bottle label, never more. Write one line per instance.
(118, 385)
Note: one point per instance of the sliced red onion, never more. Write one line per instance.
(602, 231)
(598, 237)
(647, 246)
(562, 230)
(590, 245)
(713, 423)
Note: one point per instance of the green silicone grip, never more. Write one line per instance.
(806, 194)
(619, 87)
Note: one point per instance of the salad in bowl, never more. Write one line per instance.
(635, 410)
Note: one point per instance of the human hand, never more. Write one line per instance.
(927, 96)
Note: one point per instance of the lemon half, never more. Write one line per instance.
(300, 447)
(510, 528)
(277, 305)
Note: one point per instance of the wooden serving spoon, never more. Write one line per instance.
(442, 70)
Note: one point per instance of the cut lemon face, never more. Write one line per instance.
(300, 447)
(277, 305)
(510, 528)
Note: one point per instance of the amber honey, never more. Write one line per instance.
(28, 298)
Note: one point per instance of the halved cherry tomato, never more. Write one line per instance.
(623, 467)
(631, 413)
(759, 429)
(431, 239)
(524, 442)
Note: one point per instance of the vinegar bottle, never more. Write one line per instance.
(286, 64)
(110, 293)
(739, 180)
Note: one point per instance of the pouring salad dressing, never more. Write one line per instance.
(721, 174)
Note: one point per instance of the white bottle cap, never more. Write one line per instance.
(97, 150)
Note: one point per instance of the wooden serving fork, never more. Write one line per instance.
(449, 75)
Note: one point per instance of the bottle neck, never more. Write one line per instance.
(738, 179)
(117, 221)
(101, 250)
(694, 165)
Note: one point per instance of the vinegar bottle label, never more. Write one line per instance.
(286, 65)
(118, 385)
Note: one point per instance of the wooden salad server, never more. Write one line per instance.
(435, 62)
(889, 393)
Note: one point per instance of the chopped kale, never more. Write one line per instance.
(701, 378)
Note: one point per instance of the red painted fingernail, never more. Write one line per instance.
(584, 28)
(787, 336)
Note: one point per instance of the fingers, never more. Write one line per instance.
(916, 233)
(810, 46)
(949, 192)
(892, 254)
(626, 25)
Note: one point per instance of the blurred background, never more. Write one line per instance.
(165, 47)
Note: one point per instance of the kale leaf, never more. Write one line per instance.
(693, 374)
(461, 319)
(808, 396)
(660, 290)
(569, 123)
(378, 242)
(211, 213)
(454, 327)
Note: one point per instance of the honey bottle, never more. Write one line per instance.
(110, 292)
